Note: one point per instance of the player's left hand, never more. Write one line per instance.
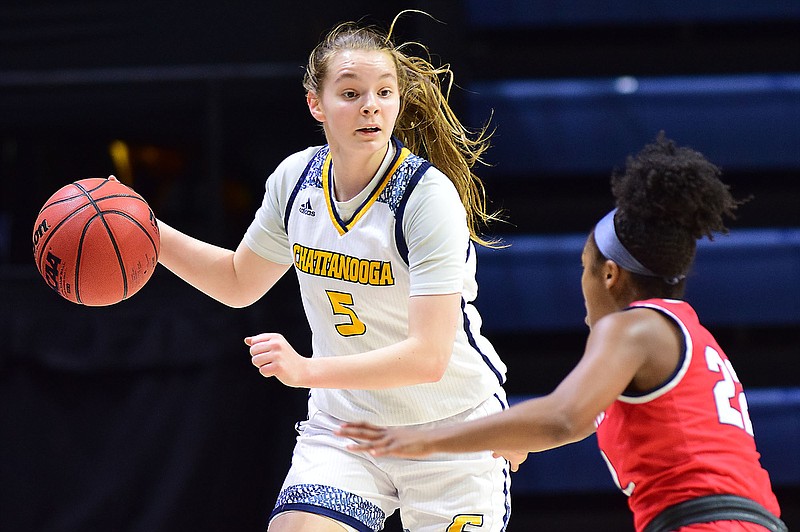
(275, 357)
(515, 458)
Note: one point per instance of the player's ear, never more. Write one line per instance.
(314, 106)
(611, 273)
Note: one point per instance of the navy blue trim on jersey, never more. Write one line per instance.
(506, 475)
(681, 360)
(507, 495)
(503, 404)
(343, 506)
(474, 344)
(295, 190)
(399, 237)
(319, 510)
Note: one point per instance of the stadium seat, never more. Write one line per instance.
(534, 283)
(578, 126)
(513, 13)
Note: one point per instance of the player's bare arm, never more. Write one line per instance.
(420, 358)
(235, 278)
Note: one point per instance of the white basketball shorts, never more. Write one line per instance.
(440, 493)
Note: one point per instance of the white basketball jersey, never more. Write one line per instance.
(355, 279)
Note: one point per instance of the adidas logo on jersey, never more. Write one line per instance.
(307, 209)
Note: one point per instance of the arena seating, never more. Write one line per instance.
(534, 283)
(548, 128)
(567, 126)
(513, 13)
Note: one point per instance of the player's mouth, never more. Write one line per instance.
(369, 130)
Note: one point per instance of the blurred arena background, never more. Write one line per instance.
(147, 416)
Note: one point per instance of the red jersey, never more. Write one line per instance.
(691, 436)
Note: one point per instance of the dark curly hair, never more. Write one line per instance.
(667, 198)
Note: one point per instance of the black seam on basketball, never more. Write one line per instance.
(78, 262)
(91, 201)
(84, 196)
(100, 213)
(120, 262)
(52, 232)
(140, 226)
(62, 200)
(100, 185)
(86, 193)
(121, 195)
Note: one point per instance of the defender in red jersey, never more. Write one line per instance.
(668, 407)
(704, 438)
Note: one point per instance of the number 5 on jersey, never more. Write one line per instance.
(341, 303)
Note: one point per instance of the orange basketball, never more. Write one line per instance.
(96, 242)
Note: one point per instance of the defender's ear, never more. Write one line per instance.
(611, 273)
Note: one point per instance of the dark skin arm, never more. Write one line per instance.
(633, 350)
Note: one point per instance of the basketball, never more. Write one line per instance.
(96, 242)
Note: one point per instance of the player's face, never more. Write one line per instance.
(359, 101)
(596, 296)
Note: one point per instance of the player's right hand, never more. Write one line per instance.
(515, 458)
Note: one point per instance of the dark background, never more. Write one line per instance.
(147, 416)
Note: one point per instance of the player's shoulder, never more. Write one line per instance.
(639, 325)
(292, 166)
(435, 183)
(300, 158)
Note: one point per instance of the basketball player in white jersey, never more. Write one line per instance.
(379, 224)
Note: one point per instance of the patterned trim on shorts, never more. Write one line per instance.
(331, 502)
